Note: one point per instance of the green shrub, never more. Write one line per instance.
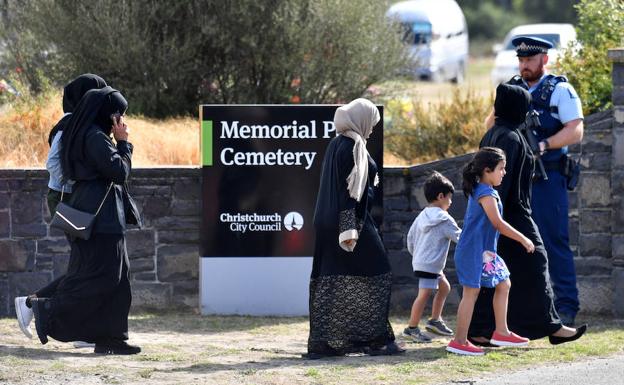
(169, 56)
(488, 21)
(599, 28)
(418, 132)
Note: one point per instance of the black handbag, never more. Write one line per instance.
(73, 222)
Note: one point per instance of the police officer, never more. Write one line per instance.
(561, 119)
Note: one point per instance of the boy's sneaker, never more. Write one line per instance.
(510, 340)
(466, 350)
(24, 316)
(438, 327)
(416, 335)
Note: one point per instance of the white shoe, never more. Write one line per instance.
(82, 344)
(24, 316)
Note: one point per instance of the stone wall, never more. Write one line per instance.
(590, 218)
(163, 255)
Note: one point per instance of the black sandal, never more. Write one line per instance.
(389, 349)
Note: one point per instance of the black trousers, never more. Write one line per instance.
(92, 301)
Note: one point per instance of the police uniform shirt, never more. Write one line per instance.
(565, 98)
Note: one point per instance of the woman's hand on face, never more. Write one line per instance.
(349, 242)
(120, 129)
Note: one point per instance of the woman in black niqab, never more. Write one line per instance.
(531, 308)
(72, 93)
(92, 301)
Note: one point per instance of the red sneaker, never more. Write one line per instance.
(510, 340)
(466, 350)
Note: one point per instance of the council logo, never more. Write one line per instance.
(293, 221)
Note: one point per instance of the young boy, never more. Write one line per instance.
(428, 241)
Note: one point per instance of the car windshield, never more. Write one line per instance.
(416, 32)
(551, 37)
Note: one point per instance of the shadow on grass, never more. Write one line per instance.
(349, 362)
(187, 323)
(41, 353)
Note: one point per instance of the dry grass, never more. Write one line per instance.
(25, 126)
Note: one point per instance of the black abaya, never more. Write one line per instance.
(531, 311)
(349, 291)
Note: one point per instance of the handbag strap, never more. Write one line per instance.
(102, 203)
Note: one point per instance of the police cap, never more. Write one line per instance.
(529, 46)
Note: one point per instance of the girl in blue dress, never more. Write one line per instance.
(476, 261)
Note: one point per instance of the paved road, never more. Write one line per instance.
(599, 371)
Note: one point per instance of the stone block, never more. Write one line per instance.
(397, 203)
(617, 206)
(5, 224)
(458, 208)
(618, 148)
(394, 240)
(187, 189)
(26, 208)
(5, 300)
(140, 243)
(186, 207)
(156, 191)
(31, 230)
(599, 161)
(152, 295)
(595, 245)
(618, 248)
(53, 246)
(178, 223)
(573, 231)
(185, 287)
(17, 255)
(142, 265)
(617, 277)
(595, 221)
(596, 294)
(617, 182)
(592, 266)
(393, 184)
(27, 283)
(155, 207)
(5, 200)
(44, 263)
(177, 262)
(595, 190)
(417, 197)
(179, 237)
(144, 276)
(54, 232)
(598, 141)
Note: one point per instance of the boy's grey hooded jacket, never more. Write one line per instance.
(429, 238)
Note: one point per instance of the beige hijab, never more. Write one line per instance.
(356, 121)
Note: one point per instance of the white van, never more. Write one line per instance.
(506, 62)
(437, 38)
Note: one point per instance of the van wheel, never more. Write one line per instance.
(460, 75)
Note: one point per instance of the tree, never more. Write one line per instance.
(168, 57)
(588, 68)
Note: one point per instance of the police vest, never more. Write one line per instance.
(541, 103)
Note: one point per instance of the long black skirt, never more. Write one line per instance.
(349, 294)
(92, 301)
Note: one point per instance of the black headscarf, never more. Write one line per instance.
(72, 93)
(93, 110)
(511, 104)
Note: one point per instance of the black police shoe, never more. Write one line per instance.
(119, 347)
(41, 309)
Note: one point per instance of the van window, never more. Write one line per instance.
(551, 37)
(416, 32)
